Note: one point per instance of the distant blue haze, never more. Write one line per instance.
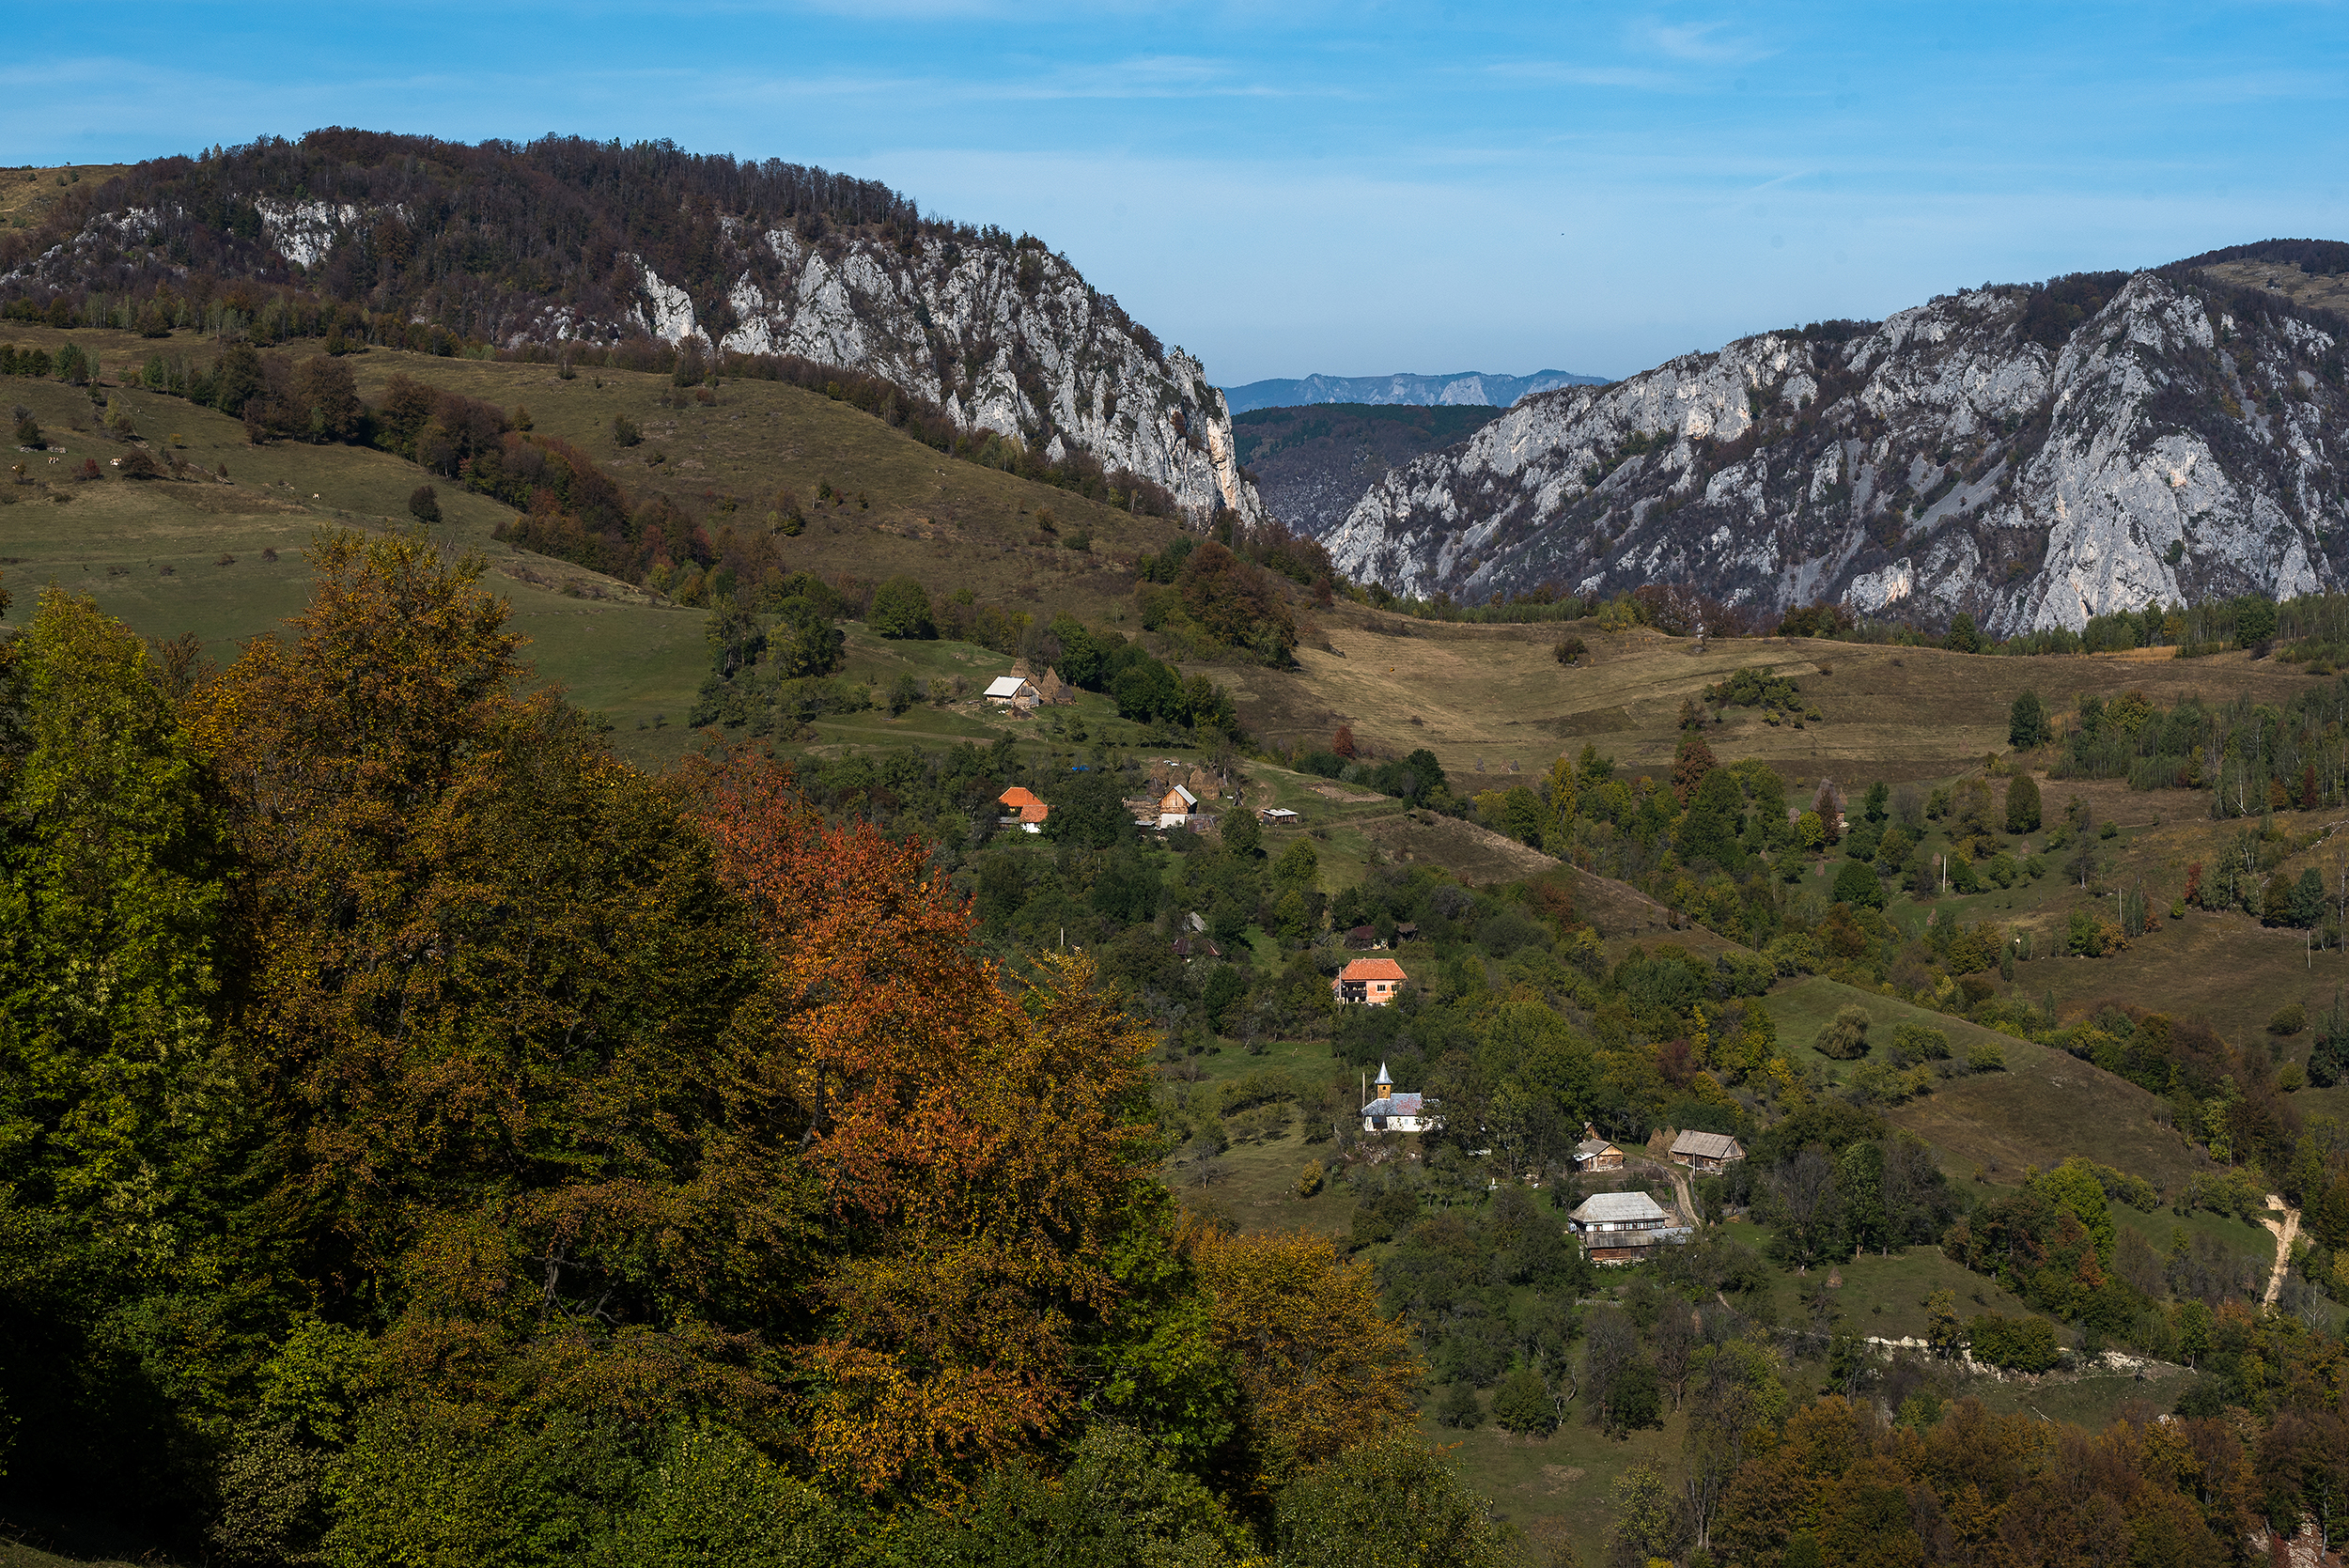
(1464, 386)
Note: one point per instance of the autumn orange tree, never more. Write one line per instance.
(978, 1155)
(1840, 1485)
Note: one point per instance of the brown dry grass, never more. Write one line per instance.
(618, 649)
(2330, 293)
(2045, 1107)
(951, 524)
(28, 194)
(1473, 853)
(1495, 695)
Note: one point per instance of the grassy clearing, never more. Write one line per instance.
(1882, 1297)
(905, 509)
(1559, 1482)
(28, 194)
(174, 557)
(2047, 1107)
(1258, 1189)
(1494, 694)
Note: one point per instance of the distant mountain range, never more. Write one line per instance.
(2032, 456)
(1465, 386)
(1311, 464)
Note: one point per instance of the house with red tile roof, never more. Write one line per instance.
(1375, 981)
(1024, 808)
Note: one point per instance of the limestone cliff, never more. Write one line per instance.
(572, 240)
(1005, 339)
(2031, 456)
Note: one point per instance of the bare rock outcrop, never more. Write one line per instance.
(1984, 453)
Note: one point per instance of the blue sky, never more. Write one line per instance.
(1350, 188)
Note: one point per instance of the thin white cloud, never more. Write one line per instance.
(1700, 44)
(1635, 77)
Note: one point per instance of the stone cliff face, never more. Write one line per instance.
(1003, 335)
(1007, 340)
(1984, 452)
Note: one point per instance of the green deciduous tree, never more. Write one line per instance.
(1242, 833)
(125, 1134)
(2022, 804)
(2027, 723)
(1857, 885)
(901, 609)
(1522, 1404)
(1388, 1504)
(1845, 1036)
(1709, 828)
(115, 867)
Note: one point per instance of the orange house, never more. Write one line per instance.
(1374, 981)
(1025, 809)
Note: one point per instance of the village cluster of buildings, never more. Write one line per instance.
(1624, 1227)
(1175, 805)
(1613, 1227)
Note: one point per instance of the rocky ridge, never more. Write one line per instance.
(564, 241)
(1012, 341)
(2030, 455)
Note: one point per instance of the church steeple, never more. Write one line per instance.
(1386, 1081)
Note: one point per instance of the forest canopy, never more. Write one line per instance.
(429, 1137)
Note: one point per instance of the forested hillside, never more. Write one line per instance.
(601, 254)
(1312, 464)
(427, 1137)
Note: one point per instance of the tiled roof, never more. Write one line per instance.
(1035, 810)
(1373, 969)
(1020, 795)
(1395, 1105)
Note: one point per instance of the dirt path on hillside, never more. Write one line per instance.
(1686, 1192)
(1683, 1191)
(2287, 1231)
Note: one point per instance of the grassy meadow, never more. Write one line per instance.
(28, 194)
(175, 557)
